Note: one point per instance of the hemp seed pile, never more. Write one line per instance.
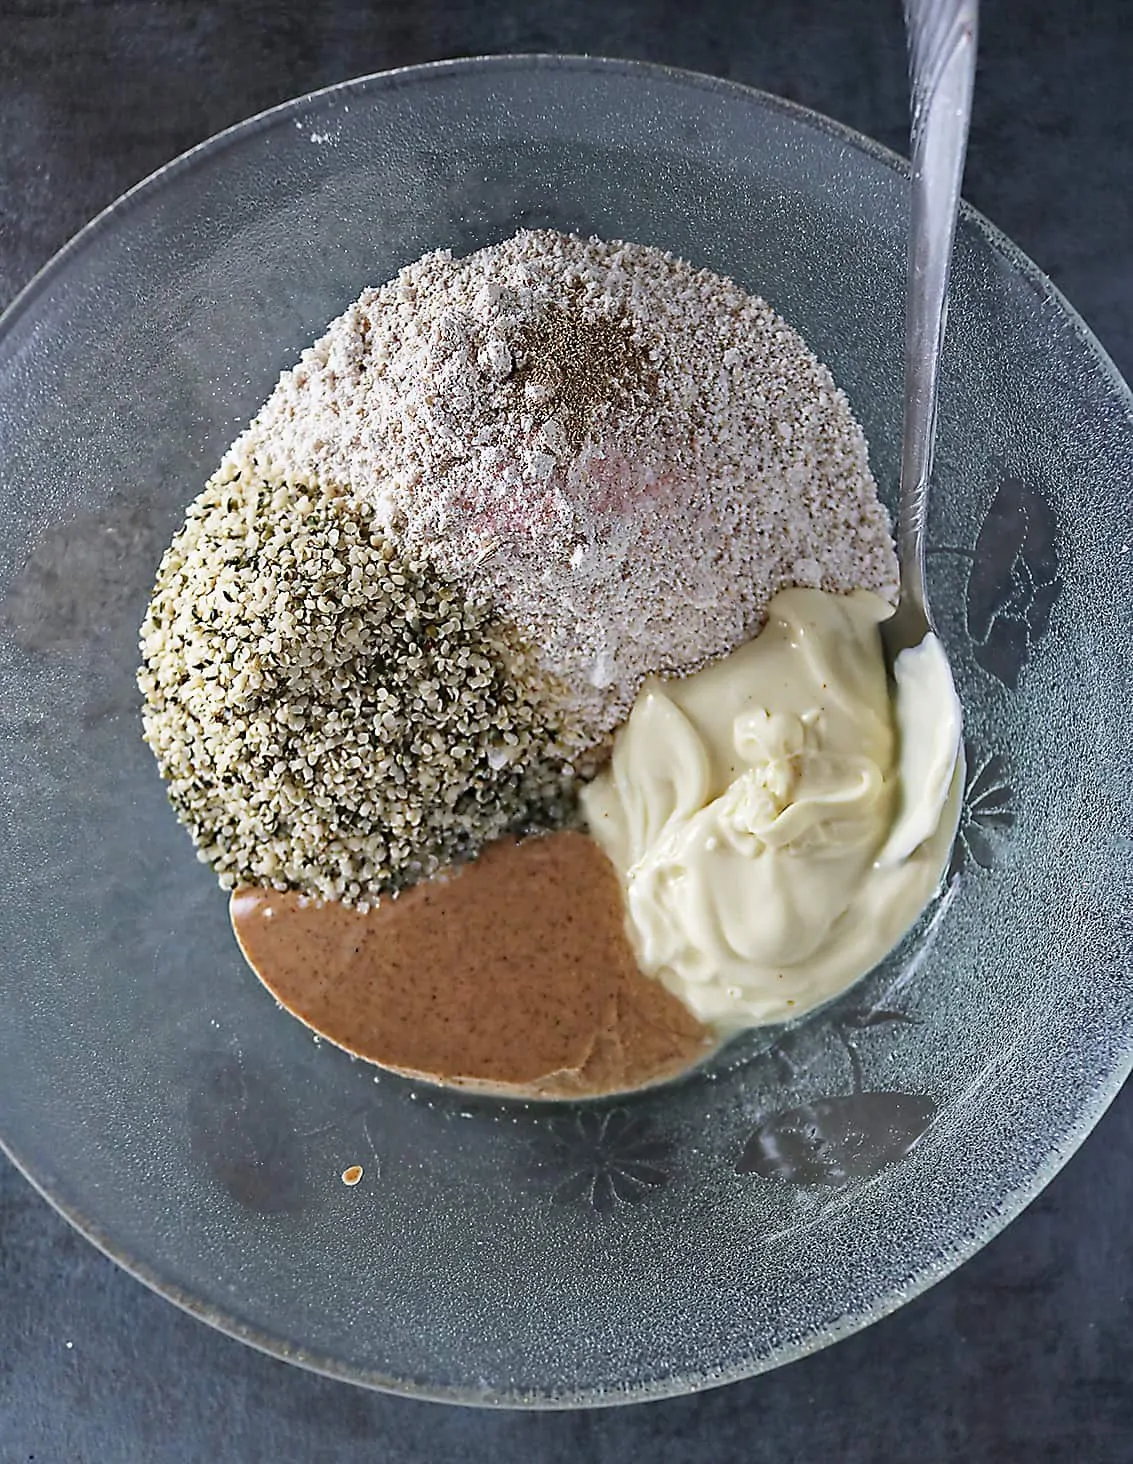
(427, 582)
(330, 716)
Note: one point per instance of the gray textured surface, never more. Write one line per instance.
(1024, 1354)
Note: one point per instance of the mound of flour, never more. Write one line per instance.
(626, 456)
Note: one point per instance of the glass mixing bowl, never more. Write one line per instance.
(816, 1176)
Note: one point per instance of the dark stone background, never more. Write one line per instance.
(1026, 1353)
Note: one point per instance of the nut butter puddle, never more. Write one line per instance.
(511, 974)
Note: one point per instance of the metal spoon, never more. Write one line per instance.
(942, 68)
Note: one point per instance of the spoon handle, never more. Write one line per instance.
(942, 68)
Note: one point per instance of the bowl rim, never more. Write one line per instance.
(1106, 1084)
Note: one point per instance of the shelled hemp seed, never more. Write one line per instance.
(329, 715)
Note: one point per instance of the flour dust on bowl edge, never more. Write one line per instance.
(494, 1252)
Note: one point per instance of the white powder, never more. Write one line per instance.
(626, 456)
